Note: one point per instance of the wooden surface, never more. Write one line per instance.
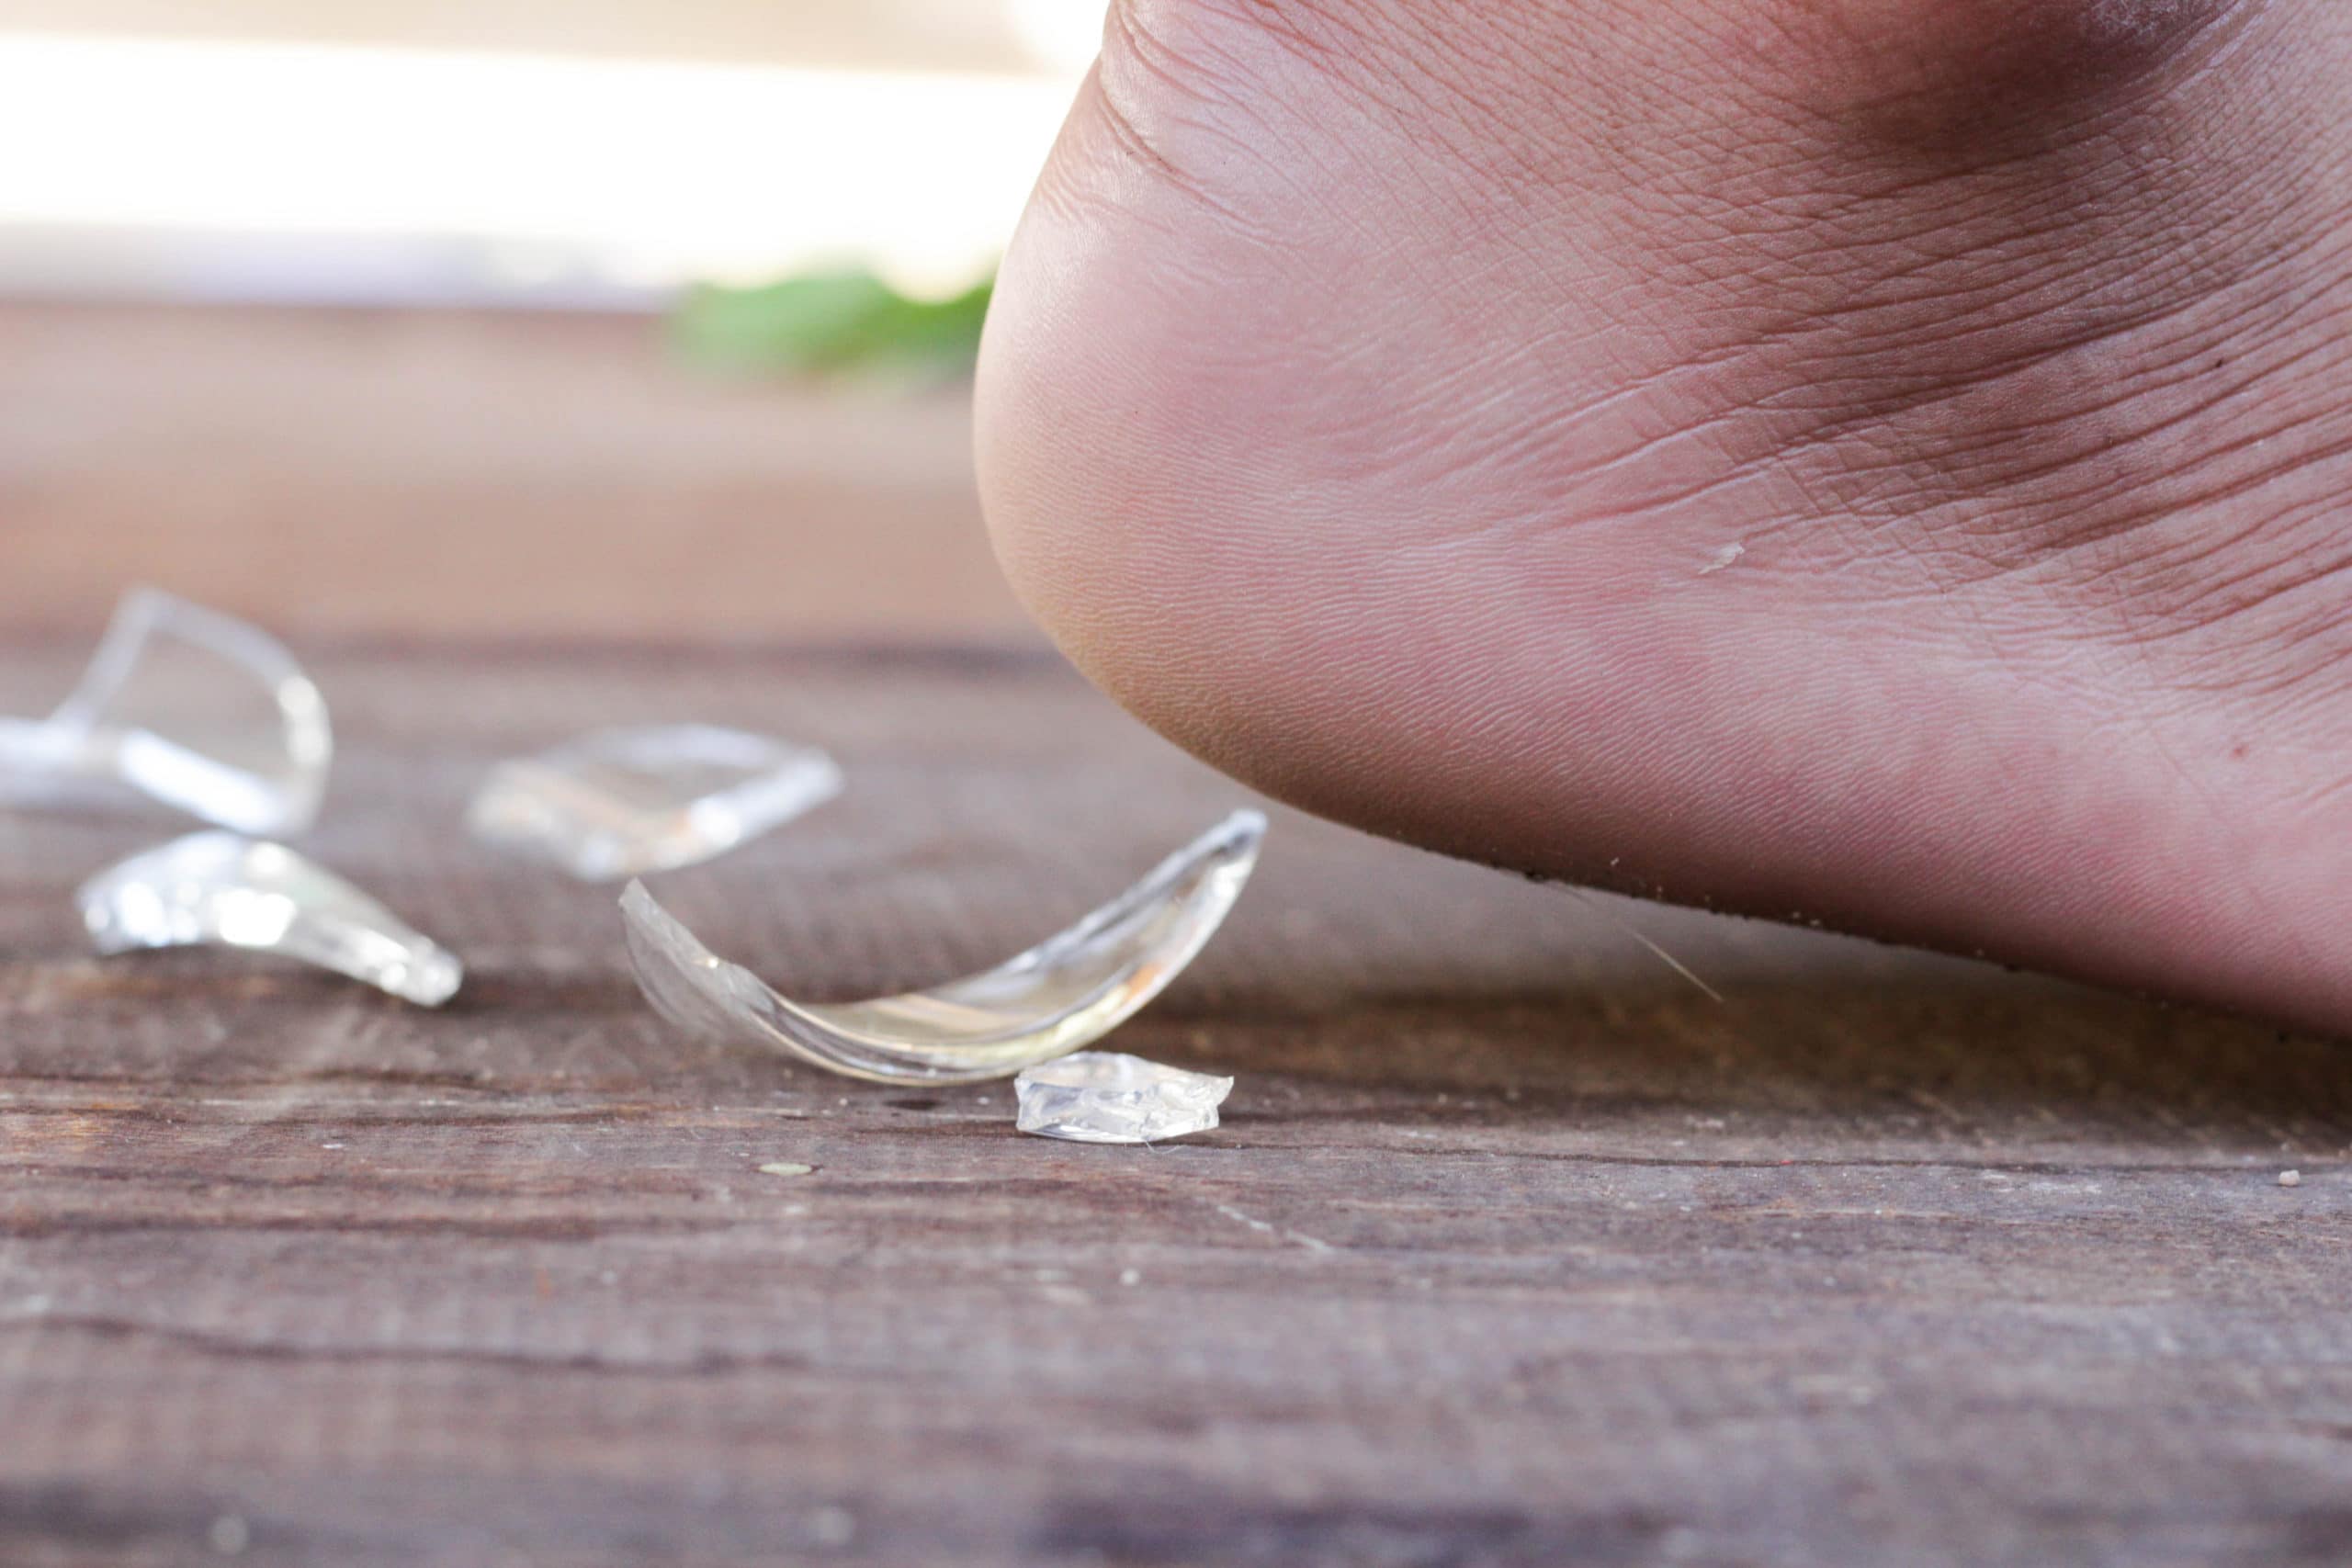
(1513, 1249)
(423, 475)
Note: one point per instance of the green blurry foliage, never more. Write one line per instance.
(831, 323)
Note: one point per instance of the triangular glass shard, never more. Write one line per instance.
(642, 799)
(1059, 997)
(196, 709)
(1108, 1097)
(231, 891)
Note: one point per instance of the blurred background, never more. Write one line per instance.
(492, 318)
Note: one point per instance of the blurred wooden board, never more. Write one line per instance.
(1512, 1249)
(425, 475)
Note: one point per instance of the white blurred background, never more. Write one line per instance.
(530, 153)
(353, 316)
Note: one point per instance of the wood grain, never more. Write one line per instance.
(1513, 1249)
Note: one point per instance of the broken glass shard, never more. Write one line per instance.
(1059, 997)
(231, 891)
(642, 799)
(1108, 1097)
(200, 710)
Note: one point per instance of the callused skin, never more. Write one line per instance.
(1376, 392)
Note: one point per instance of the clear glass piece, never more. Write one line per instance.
(231, 891)
(1059, 997)
(1107, 1097)
(642, 799)
(196, 709)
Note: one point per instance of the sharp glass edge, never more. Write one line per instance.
(1058, 997)
(222, 889)
(549, 807)
(76, 742)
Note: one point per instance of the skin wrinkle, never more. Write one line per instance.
(1196, 152)
(2187, 616)
(1876, 211)
(1391, 491)
(1981, 72)
(1260, 142)
(1820, 434)
(1123, 130)
(2181, 365)
(1927, 262)
(2245, 884)
(2190, 500)
(1149, 32)
(1904, 465)
(1926, 478)
(1794, 326)
(2266, 585)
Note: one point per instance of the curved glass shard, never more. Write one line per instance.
(1108, 1097)
(642, 799)
(196, 709)
(1060, 995)
(231, 891)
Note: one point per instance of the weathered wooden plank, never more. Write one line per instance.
(439, 474)
(1512, 1249)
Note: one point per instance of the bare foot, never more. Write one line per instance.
(1882, 461)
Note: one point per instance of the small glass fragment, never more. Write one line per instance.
(196, 709)
(1108, 1097)
(786, 1167)
(230, 891)
(1059, 997)
(2290, 1179)
(642, 799)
